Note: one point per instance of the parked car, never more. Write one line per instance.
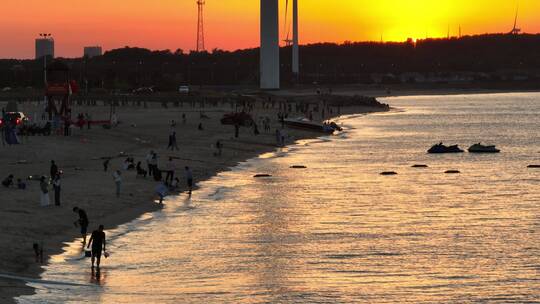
(17, 117)
(143, 91)
(183, 89)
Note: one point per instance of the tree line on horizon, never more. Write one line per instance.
(324, 63)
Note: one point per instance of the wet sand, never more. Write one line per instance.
(86, 185)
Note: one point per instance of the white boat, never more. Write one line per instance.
(306, 124)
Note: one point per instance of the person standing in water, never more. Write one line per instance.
(97, 240)
(82, 222)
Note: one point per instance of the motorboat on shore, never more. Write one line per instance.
(328, 127)
(479, 148)
(440, 148)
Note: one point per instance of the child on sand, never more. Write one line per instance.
(161, 191)
(8, 181)
(20, 184)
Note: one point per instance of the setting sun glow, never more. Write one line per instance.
(233, 24)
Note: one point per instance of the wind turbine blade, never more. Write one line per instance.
(515, 20)
(285, 25)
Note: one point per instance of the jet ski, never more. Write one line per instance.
(479, 148)
(440, 148)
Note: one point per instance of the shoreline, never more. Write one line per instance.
(397, 91)
(141, 198)
(85, 185)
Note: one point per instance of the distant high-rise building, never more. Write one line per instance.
(44, 46)
(92, 51)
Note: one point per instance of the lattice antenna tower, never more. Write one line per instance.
(200, 26)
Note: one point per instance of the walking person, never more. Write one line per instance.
(156, 173)
(2, 127)
(174, 144)
(44, 189)
(117, 176)
(97, 240)
(189, 179)
(67, 125)
(106, 164)
(170, 170)
(169, 145)
(88, 120)
(57, 187)
(81, 222)
(149, 162)
(172, 141)
(219, 147)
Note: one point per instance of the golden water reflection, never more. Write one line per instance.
(338, 231)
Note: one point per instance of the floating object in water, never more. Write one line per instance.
(420, 166)
(479, 148)
(452, 172)
(328, 127)
(22, 162)
(389, 173)
(298, 167)
(262, 175)
(440, 148)
(534, 166)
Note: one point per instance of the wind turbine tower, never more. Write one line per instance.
(515, 30)
(295, 55)
(269, 61)
(200, 26)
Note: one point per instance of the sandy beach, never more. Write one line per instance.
(86, 185)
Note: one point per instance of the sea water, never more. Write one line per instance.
(338, 231)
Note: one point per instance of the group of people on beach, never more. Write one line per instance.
(44, 183)
(8, 182)
(165, 173)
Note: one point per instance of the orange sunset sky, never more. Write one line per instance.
(234, 24)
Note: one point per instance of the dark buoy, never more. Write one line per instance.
(533, 166)
(452, 172)
(387, 173)
(262, 175)
(298, 167)
(420, 166)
